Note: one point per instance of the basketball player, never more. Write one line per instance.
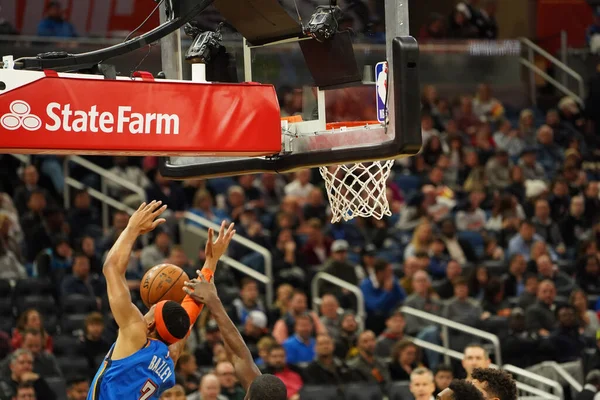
(257, 386)
(460, 390)
(141, 363)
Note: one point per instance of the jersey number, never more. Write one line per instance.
(148, 390)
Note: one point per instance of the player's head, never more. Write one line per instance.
(167, 321)
(494, 384)
(266, 387)
(460, 390)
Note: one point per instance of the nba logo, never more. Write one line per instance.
(381, 71)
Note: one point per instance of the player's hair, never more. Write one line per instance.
(421, 371)
(174, 319)
(267, 387)
(463, 390)
(500, 383)
(486, 354)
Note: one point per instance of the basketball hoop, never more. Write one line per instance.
(357, 190)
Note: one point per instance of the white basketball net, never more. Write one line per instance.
(357, 190)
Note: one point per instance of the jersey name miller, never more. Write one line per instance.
(125, 121)
(161, 368)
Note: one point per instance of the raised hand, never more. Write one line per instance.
(201, 290)
(144, 219)
(214, 250)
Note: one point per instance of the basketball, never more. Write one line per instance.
(163, 282)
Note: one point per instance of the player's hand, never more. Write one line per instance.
(214, 250)
(145, 219)
(201, 290)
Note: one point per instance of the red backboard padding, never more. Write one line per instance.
(92, 116)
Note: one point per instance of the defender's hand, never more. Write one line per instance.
(144, 219)
(201, 290)
(214, 250)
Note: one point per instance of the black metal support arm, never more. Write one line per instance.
(182, 13)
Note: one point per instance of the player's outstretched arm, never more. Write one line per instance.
(132, 325)
(214, 249)
(205, 292)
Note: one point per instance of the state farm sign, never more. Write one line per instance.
(64, 118)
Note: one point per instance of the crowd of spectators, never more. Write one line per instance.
(494, 226)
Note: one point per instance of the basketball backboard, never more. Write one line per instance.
(315, 143)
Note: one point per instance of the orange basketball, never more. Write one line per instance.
(163, 282)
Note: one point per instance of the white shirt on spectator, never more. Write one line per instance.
(295, 188)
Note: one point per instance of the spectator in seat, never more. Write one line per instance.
(130, 173)
(289, 375)
(248, 301)
(546, 228)
(25, 392)
(77, 388)
(93, 343)
(203, 206)
(178, 257)
(30, 184)
(532, 170)
(460, 390)
(446, 289)
(497, 170)
(81, 282)
(28, 320)
(370, 367)
(318, 246)
(529, 295)
(475, 356)
(229, 386)
(420, 241)
(254, 329)
(548, 271)
(54, 23)
(330, 318)
(383, 293)
(300, 348)
(345, 343)
(209, 389)
(88, 247)
(592, 202)
(44, 363)
(410, 267)
(458, 249)
(264, 346)
(494, 302)
(212, 337)
(315, 206)
(338, 266)
(514, 280)
(167, 191)
(442, 377)
(10, 266)
(509, 139)
(394, 332)
(586, 318)
(588, 274)
(486, 23)
(472, 218)
(568, 343)
(492, 250)
(540, 317)
(522, 242)
(298, 306)
(119, 223)
(21, 373)
(82, 217)
(477, 281)
(405, 359)
(520, 346)
(186, 373)
(549, 154)
(463, 310)
(485, 106)
(421, 384)
(575, 227)
(282, 302)
(300, 187)
(326, 369)
(31, 221)
(157, 252)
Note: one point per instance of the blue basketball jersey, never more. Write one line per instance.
(144, 375)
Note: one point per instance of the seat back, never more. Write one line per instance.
(400, 391)
(58, 386)
(319, 392)
(363, 391)
(78, 304)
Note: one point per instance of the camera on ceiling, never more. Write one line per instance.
(323, 24)
(204, 45)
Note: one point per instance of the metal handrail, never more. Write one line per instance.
(99, 195)
(564, 374)
(360, 300)
(24, 158)
(104, 175)
(532, 47)
(246, 243)
(235, 264)
(536, 377)
(447, 323)
(534, 68)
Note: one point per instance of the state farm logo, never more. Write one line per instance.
(64, 118)
(20, 116)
